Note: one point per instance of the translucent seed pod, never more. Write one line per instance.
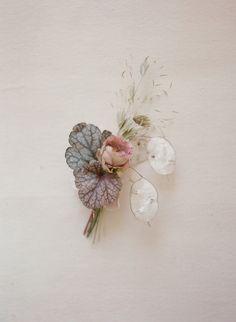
(161, 155)
(143, 200)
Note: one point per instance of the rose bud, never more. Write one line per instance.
(115, 153)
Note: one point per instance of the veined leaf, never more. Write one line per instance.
(105, 135)
(85, 140)
(96, 189)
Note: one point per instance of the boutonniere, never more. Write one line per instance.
(99, 158)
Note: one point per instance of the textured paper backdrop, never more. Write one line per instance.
(60, 64)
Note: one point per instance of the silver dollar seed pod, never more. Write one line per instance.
(143, 200)
(161, 155)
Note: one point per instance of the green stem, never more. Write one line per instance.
(94, 221)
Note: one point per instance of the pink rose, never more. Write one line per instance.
(115, 153)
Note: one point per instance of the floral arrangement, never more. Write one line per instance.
(98, 158)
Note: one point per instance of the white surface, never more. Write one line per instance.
(60, 64)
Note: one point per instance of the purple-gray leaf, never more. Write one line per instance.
(85, 140)
(105, 135)
(89, 138)
(96, 189)
(78, 127)
(74, 158)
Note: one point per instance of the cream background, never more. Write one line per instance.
(61, 64)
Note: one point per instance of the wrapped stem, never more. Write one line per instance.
(92, 221)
